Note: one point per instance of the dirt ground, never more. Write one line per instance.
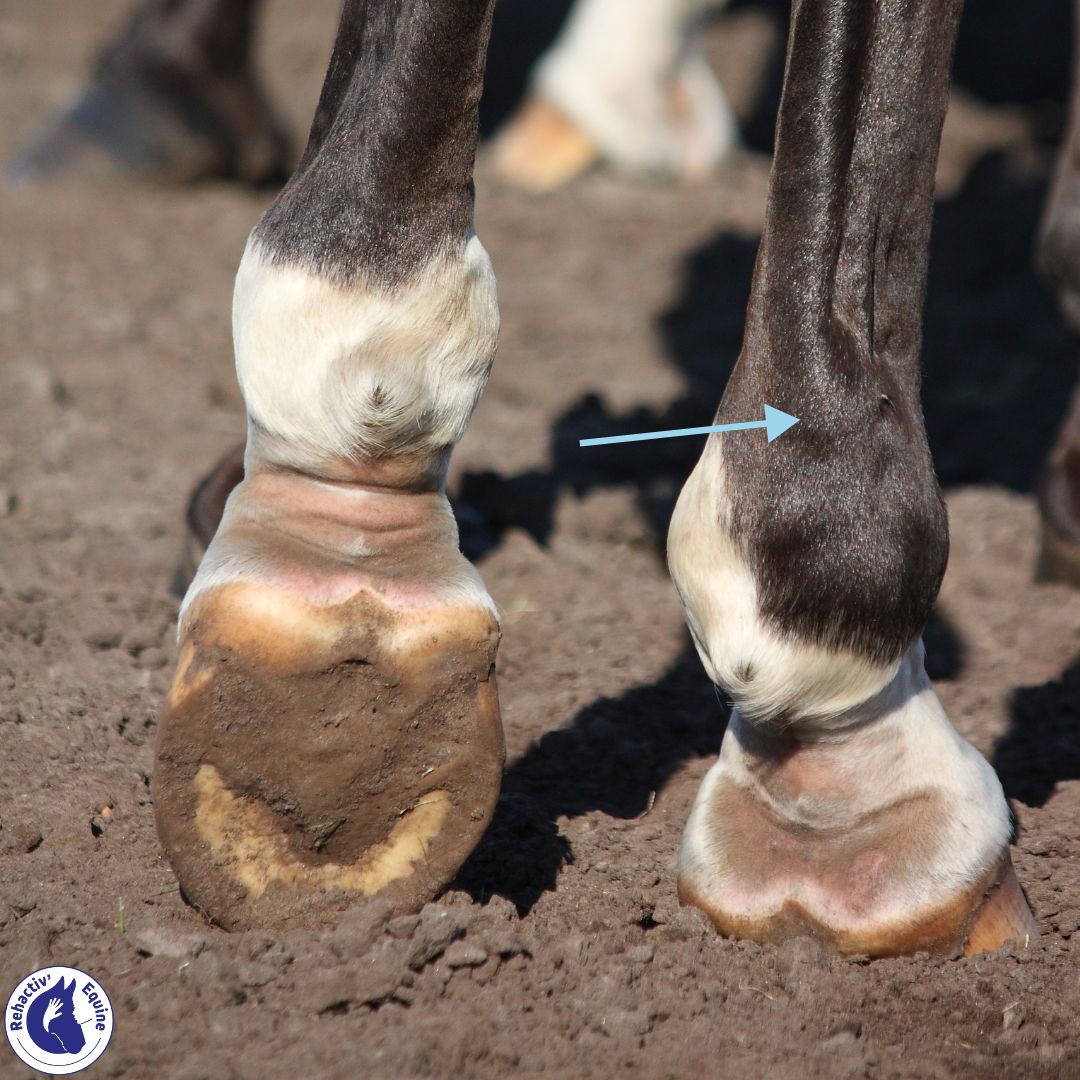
(561, 950)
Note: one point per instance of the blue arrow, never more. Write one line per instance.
(775, 424)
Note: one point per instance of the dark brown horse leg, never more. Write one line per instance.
(332, 732)
(173, 97)
(204, 510)
(843, 805)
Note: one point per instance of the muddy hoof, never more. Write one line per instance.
(156, 124)
(542, 149)
(310, 756)
(332, 732)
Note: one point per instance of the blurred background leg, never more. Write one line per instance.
(624, 84)
(172, 96)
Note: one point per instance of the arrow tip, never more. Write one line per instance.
(777, 422)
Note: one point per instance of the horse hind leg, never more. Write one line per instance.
(1058, 261)
(172, 97)
(627, 85)
(843, 805)
(332, 731)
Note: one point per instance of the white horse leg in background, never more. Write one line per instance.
(627, 84)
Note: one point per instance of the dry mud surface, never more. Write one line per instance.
(561, 950)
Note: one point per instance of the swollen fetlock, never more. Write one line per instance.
(333, 729)
(332, 732)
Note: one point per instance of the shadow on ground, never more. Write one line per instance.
(614, 757)
(1042, 746)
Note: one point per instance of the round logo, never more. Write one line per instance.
(58, 1020)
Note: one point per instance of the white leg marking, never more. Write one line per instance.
(348, 371)
(612, 70)
(841, 787)
(768, 675)
(909, 754)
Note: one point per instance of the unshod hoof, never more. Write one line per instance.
(332, 732)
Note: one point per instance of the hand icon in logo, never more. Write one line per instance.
(52, 1011)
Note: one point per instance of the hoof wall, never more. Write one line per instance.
(1003, 916)
(991, 915)
(311, 757)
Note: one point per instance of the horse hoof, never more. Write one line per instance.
(332, 732)
(988, 917)
(542, 149)
(125, 123)
(883, 839)
(1003, 915)
(674, 127)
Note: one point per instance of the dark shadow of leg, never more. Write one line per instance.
(613, 757)
(1042, 746)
